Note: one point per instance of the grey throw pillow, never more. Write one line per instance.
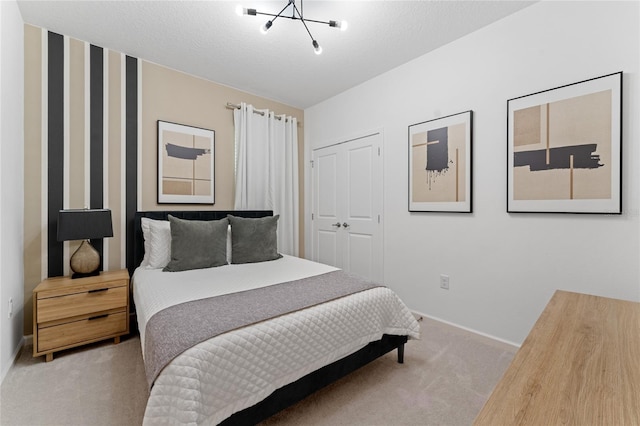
(197, 244)
(254, 240)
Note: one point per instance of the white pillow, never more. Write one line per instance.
(157, 243)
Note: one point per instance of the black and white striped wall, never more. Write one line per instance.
(82, 133)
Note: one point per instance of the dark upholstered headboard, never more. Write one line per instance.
(138, 239)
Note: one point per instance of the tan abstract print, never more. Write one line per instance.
(562, 149)
(440, 164)
(186, 164)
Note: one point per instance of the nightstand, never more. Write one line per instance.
(72, 312)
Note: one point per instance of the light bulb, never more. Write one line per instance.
(316, 47)
(265, 27)
(339, 24)
(244, 11)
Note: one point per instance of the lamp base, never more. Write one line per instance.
(85, 262)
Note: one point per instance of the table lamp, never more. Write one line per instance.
(84, 224)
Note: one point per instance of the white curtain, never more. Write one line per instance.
(267, 169)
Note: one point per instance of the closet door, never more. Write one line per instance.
(347, 228)
(328, 196)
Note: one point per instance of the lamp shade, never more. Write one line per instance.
(84, 224)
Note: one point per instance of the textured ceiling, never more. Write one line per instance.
(208, 39)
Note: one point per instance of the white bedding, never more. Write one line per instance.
(235, 370)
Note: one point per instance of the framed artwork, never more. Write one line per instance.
(440, 164)
(564, 151)
(186, 157)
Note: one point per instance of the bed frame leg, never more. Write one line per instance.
(401, 354)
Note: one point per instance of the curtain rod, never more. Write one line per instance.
(255, 111)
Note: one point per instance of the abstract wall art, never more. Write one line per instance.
(440, 164)
(185, 164)
(565, 149)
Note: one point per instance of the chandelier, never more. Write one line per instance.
(296, 15)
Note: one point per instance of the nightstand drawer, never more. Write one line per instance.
(72, 305)
(81, 331)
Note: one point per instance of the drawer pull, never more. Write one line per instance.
(98, 317)
(98, 290)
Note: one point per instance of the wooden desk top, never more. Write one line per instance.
(580, 365)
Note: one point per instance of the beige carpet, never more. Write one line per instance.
(446, 378)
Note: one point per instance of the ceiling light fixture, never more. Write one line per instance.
(296, 15)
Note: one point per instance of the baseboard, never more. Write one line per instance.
(471, 330)
(14, 357)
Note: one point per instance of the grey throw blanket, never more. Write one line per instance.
(177, 328)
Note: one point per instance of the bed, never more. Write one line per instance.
(252, 370)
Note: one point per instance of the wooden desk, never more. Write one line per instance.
(580, 365)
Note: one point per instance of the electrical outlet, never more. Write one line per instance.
(10, 314)
(444, 281)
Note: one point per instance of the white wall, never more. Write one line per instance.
(503, 267)
(11, 181)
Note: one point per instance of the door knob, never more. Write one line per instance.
(337, 224)
(345, 224)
